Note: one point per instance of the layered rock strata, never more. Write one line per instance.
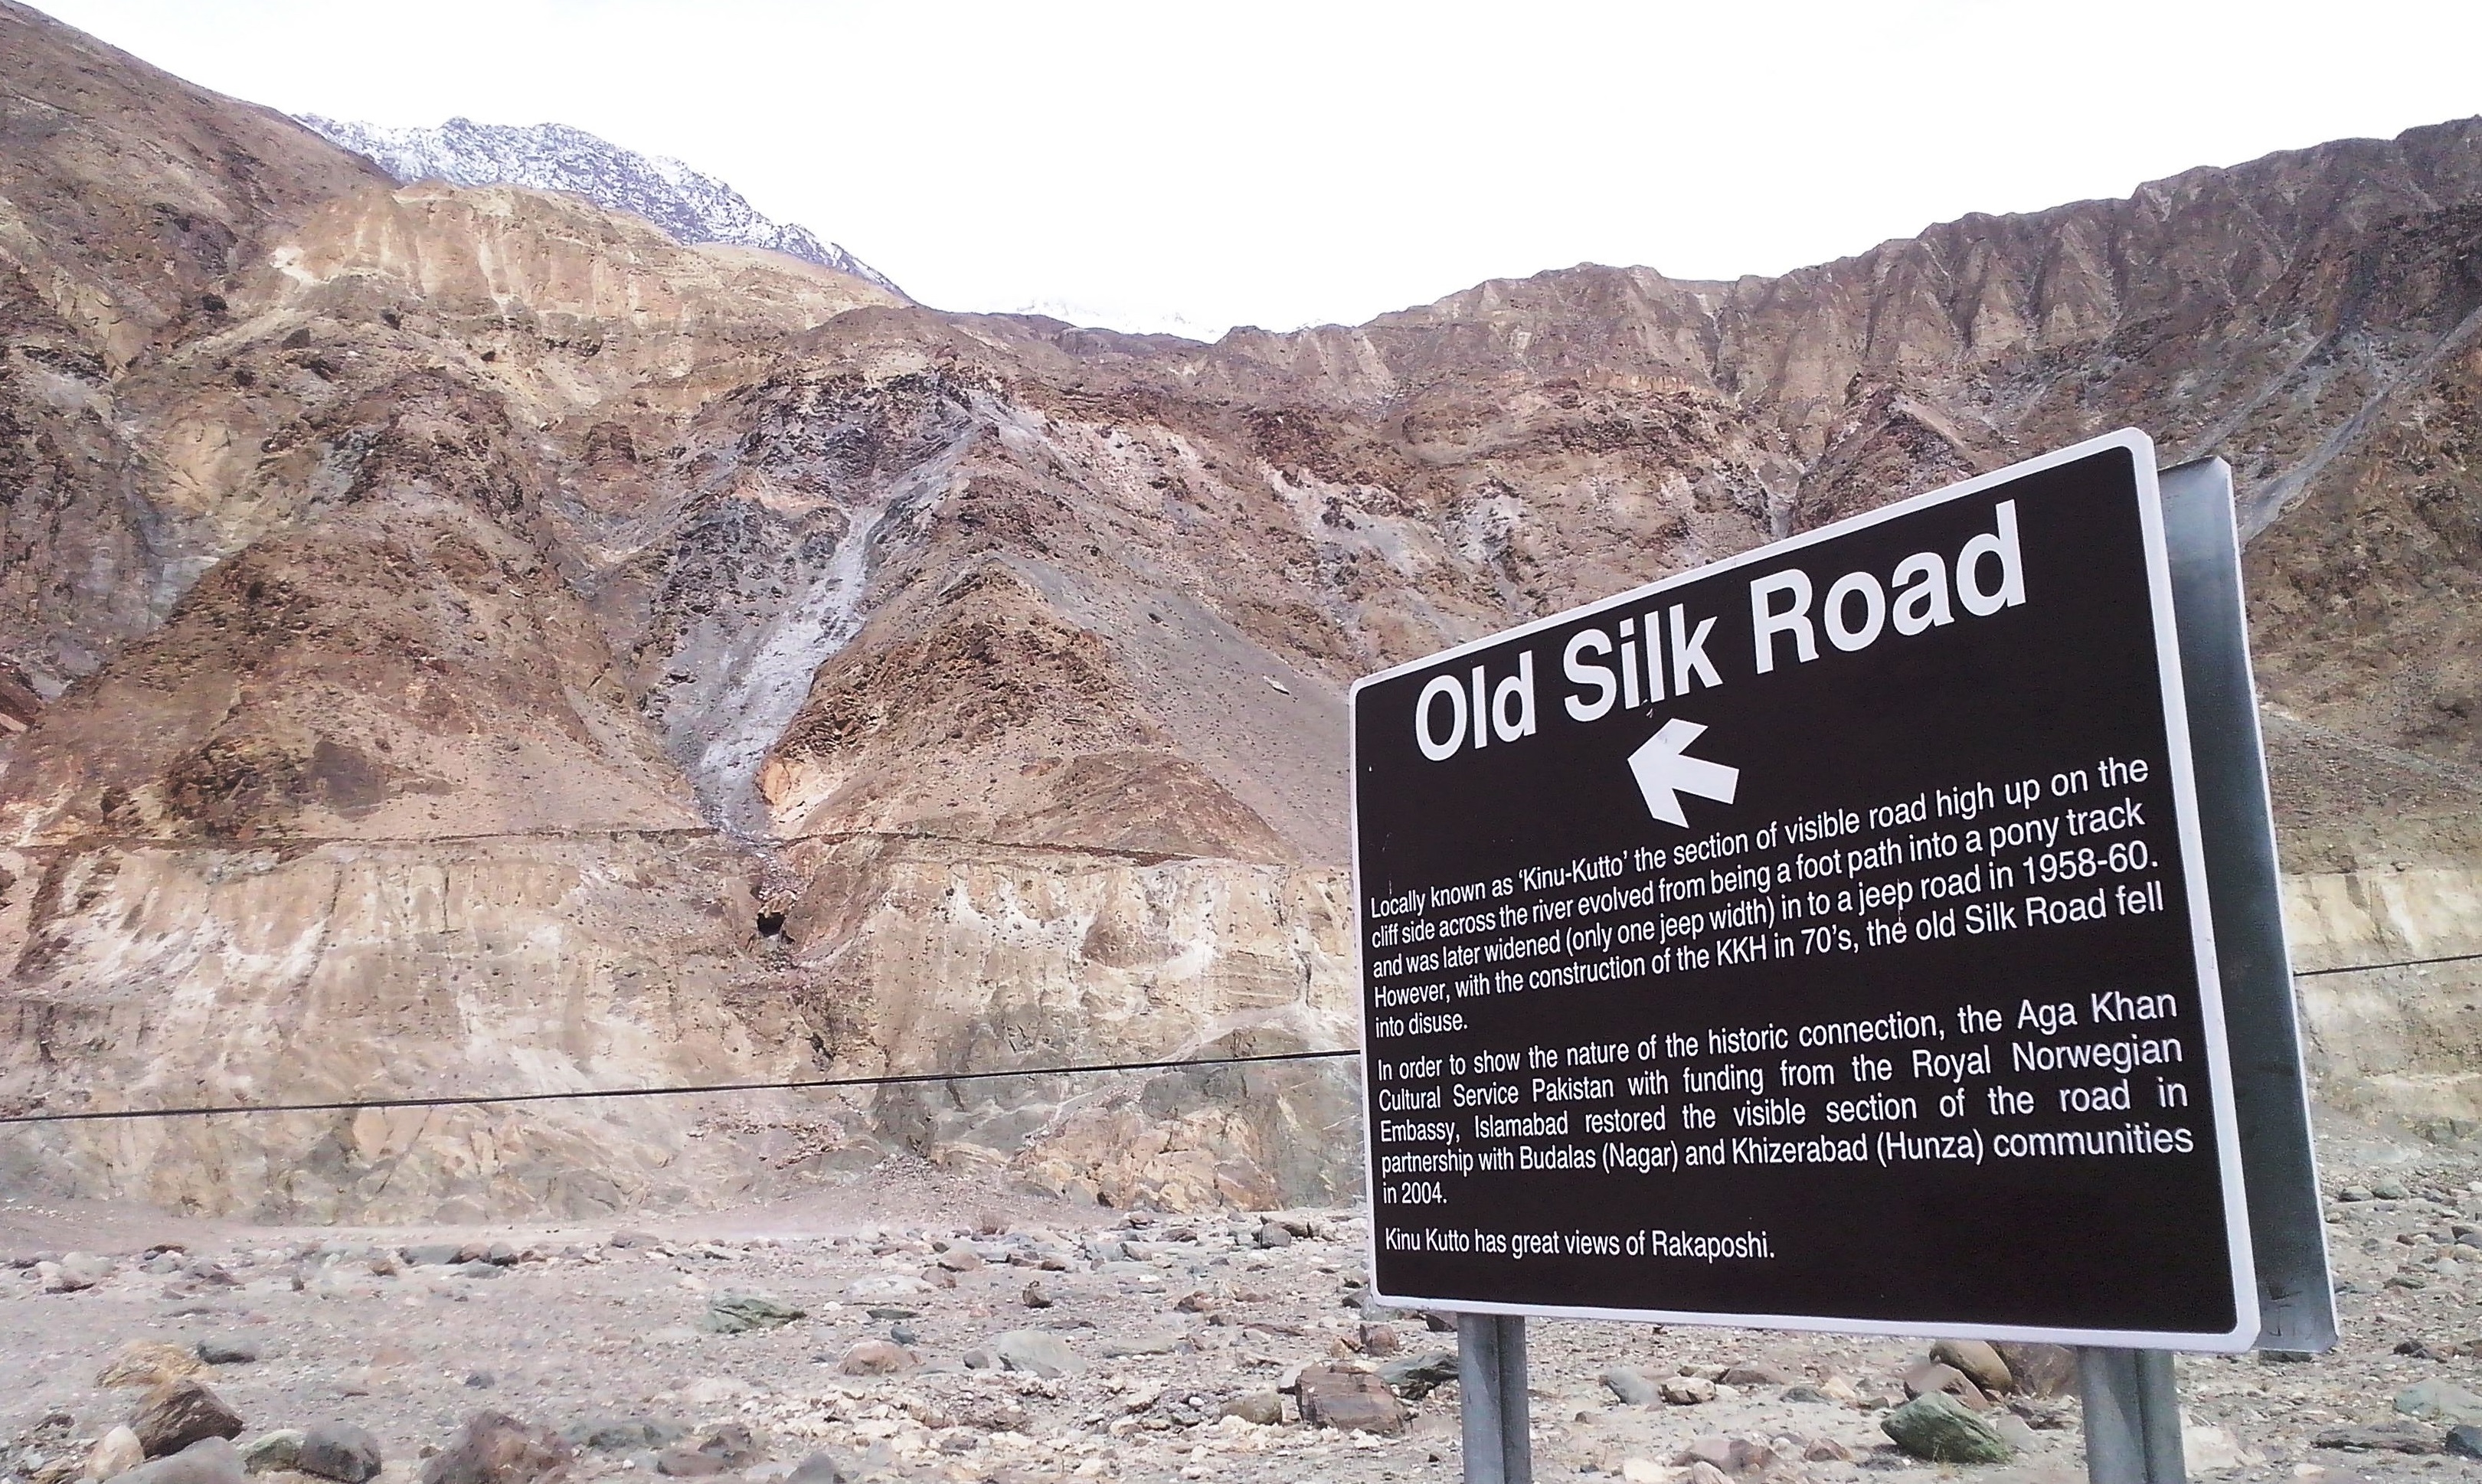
(461, 641)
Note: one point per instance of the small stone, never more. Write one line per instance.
(1629, 1385)
(2384, 1438)
(1274, 1234)
(494, 1448)
(622, 1435)
(1805, 1394)
(481, 1380)
(1936, 1427)
(275, 1452)
(228, 1350)
(877, 1358)
(181, 1413)
(1826, 1450)
(1381, 1340)
(962, 1258)
(1262, 1409)
(339, 1451)
(208, 1461)
(1977, 1362)
(74, 1273)
(2464, 1441)
(737, 1314)
(1032, 1350)
(1349, 1401)
(903, 1335)
(431, 1254)
(477, 1267)
(2440, 1400)
(1688, 1390)
(1166, 1342)
(1926, 1376)
(628, 1239)
(720, 1449)
(819, 1467)
(2018, 1435)
(1034, 1297)
(2390, 1190)
(115, 1453)
(1753, 1373)
(2211, 1451)
(1416, 1376)
(1641, 1471)
(148, 1364)
(1729, 1455)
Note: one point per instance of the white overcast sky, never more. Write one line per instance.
(1194, 166)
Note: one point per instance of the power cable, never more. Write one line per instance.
(2363, 969)
(815, 1083)
(894, 1080)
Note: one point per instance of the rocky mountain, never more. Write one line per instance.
(465, 639)
(693, 207)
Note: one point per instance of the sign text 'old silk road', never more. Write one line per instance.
(1818, 940)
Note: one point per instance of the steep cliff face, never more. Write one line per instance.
(496, 647)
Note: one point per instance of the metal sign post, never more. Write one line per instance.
(1490, 1396)
(2132, 1417)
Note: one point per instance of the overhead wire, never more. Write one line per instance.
(817, 1085)
(582, 1095)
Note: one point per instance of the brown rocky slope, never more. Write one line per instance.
(464, 641)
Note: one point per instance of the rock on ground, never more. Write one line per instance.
(494, 1448)
(339, 1451)
(179, 1413)
(1936, 1426)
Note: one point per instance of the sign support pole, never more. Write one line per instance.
(1490, 1394)
(2132, 1417)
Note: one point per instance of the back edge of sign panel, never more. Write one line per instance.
(2237, 1243)
(2278, 1165)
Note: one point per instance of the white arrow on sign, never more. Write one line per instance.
(1663, 773)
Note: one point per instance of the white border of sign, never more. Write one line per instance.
(2208, 983)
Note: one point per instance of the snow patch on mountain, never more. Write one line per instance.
(693, 207)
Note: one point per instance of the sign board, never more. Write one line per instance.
(1817, 939)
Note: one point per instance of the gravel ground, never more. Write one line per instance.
(1167, 1320)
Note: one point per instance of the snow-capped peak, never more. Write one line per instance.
(693, 207)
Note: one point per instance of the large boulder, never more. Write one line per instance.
(114, 1454)
(1977, 1362)
(180, 1413)
(1350, 1400)
(1629, 1385)
(1416, 1376)
(494, 1448)
(273, 1452)
(1936, 1426)
(208, 1461)
(339, 1451)
(2039, 1371)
